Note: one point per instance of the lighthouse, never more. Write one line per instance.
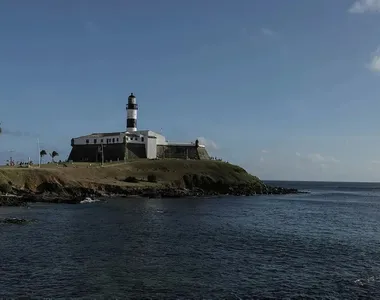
(131, 113)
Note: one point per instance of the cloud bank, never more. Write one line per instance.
(324, 161)
(18, 133)
(267, 31)
(365, 6)
(318, 158)
(374, 64)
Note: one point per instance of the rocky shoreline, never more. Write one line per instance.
(166, 178)
(58, 194)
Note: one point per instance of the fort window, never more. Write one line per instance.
(113, 140)
(142, 139)
(117, 139)
(95, 141)
(101, 140)
(87, 141)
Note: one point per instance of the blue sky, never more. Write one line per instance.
(287, 89)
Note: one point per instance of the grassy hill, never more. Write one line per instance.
(212, 177)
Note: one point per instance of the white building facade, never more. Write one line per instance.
(148, 139)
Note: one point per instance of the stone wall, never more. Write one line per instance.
(181, 152)
(202, 153)
(134, 151)
(90, 153)
(114, 152)
(119, 152)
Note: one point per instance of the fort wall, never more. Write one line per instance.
(133, 151)
(126, 151)
(182, 152)
(91, 153)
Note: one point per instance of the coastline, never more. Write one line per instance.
(140, 178)
(75, 196)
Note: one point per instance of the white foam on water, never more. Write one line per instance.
(364, 281)
(89, 200)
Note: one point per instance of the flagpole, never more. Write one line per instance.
(39, 152)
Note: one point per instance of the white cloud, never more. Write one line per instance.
(318, 158)
(261, 159)
(314, 161)
(210, 144)
(374, 64)
(264, 151)
(376, 162)
(267, 31)
(364, 6)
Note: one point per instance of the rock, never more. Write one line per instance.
(51, 198)
(192, 186)
(14, 221)
(280, 191)
(12, 200)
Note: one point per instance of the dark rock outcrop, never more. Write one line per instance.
(201, 186)
(192, 185)
(12, 200)
(17, 221)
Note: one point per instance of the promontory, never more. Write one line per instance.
(72, 182)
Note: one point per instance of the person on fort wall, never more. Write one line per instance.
(196, 143)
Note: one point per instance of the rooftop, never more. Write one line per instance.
(101, 134)
(106, 134)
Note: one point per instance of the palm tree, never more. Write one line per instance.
(43, 153)
(53, 154)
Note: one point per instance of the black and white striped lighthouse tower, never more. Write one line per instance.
(132, 113)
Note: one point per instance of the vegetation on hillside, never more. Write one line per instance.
(70, 183)
(173, 173)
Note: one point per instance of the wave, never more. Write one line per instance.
(89, 200)
(345, 194)
(329, 186)
(366, 281)
(372, 188)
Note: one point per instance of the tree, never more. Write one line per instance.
(43, 153)
(53, 154)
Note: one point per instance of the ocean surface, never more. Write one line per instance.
(322, 245)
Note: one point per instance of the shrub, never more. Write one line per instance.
(5, 188)
(178, 183)
(131, 179)
(152, 178)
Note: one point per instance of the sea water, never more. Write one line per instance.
(324, 244)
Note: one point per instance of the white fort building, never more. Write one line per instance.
(132, 143)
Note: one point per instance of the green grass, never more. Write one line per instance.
(166, 172)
